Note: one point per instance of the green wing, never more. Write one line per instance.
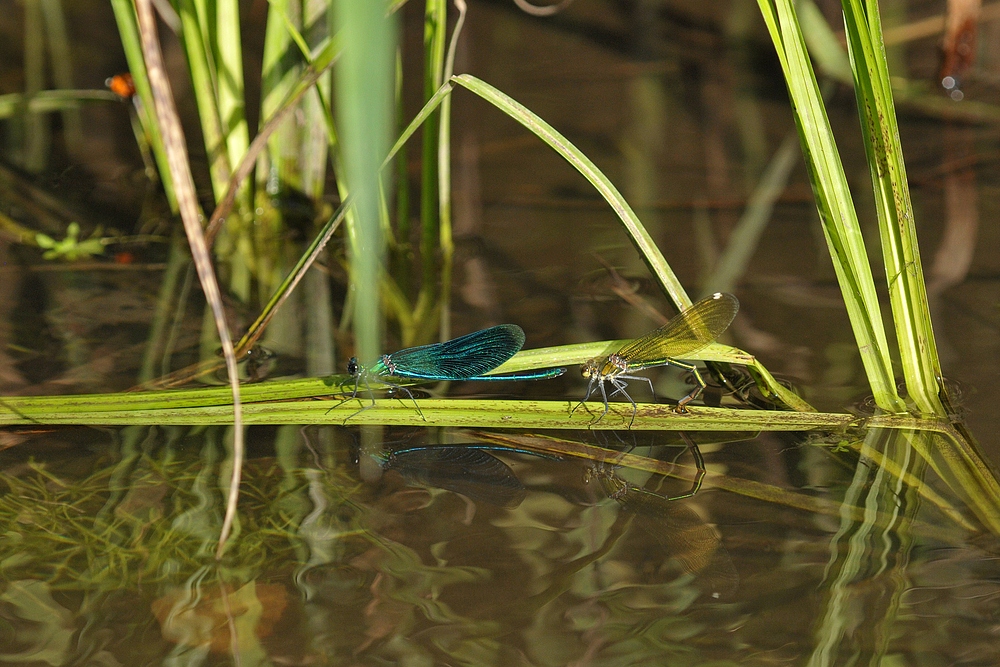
(688, 332)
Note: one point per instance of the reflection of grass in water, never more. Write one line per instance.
(162, 527)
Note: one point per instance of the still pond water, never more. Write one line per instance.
(855, 548)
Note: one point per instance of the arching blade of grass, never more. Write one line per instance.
(640, 237)
(429, 107)
(833, 200)
(564, 147)
(580, 353)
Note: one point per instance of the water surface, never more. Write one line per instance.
(866, 547)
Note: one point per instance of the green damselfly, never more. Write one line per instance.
(688, 332)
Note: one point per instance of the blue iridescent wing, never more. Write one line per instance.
(461, 358)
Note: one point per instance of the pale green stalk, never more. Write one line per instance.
(445, 239)
(435, 38)
(227, 50)
(640, 237)
(197, 49)
(364, 85)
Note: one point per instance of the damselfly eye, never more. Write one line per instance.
(352, 366)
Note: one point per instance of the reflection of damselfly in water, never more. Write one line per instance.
(468, 357)
(467, 469)
(693, 543)
(690, 331)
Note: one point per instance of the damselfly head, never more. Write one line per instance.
(591, 368)
(121, 85)
(352, 366)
